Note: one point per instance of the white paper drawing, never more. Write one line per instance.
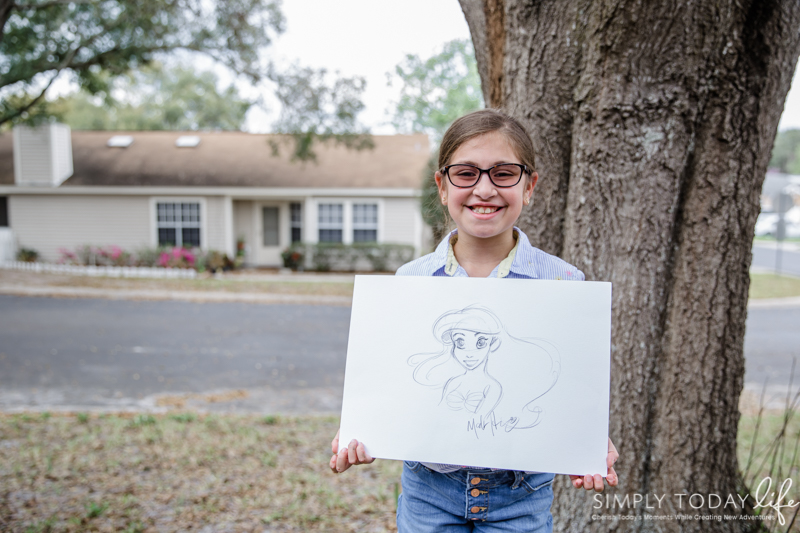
(469, 338)
(480, 372)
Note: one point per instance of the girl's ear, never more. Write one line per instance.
(495, 344)
(527, 194)
(441, 184)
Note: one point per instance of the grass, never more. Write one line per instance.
(177, 472)
(181, 471)
(772, 286)
(314, 288)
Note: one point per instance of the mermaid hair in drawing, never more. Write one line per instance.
(480, 367)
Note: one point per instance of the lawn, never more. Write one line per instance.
(772, 286)
(229, 284)
(183, 471)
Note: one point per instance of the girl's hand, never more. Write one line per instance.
(354, 454)
(595, 482)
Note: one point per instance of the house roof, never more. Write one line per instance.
(234, 159)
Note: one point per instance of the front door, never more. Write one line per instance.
(270, 236)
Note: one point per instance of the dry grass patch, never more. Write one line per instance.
(316, 288)
(773, 286)
(182, 472)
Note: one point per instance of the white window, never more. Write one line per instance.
(178, 223)
(296, 211)
(365, 223)
(331, 219)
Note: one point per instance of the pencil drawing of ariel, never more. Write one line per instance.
(485, 371)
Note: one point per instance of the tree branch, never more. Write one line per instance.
(51, 3)
(36, 100)
(30, 104)
(6, 6)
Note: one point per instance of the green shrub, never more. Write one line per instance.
(28, 255)
(327, 256)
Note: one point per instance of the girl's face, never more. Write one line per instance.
(485, 211)
(471, 348)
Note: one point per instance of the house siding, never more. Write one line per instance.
(399, 220)
(47, 223)
(215, 223)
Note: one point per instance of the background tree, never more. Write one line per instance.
(97, 41)
(433, 93)
(654, 123)
(786, 152)
(312, 110)
(41, 39)
(156, 98)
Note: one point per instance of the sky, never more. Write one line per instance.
(369, 38)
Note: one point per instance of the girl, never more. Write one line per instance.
(486, 175)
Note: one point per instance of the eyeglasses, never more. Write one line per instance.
(502, 175)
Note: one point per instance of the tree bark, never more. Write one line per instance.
(653, 122)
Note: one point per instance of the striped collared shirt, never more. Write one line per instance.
(523, 262)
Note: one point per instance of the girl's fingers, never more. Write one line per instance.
(598, 483)
(335, 443)
(363, 456)
(342, 462)
(351, 452)
(577, 481)
(354, 454)
(612, 477)
(588, 482)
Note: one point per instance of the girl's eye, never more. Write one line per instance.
(464, 172)
(460, 343)
(481, 343)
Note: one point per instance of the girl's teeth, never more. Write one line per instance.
(485, 210)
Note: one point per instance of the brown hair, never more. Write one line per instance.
(483, 122)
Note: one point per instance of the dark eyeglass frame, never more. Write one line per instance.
(446, 171)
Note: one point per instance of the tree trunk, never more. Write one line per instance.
(653, 122)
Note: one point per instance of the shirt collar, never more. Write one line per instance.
(503, 269)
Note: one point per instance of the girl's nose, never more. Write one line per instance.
(484, 188)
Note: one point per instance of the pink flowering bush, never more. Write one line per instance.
(165, 257)
(177, 258)
(95, 255)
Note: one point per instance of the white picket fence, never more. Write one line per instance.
(107, 271)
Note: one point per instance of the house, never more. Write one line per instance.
(62, 189)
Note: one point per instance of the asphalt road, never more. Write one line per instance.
(115, 352)
(767, 257)
(83, 353)
(771, 341)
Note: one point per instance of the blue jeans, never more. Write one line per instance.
(474, 500)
